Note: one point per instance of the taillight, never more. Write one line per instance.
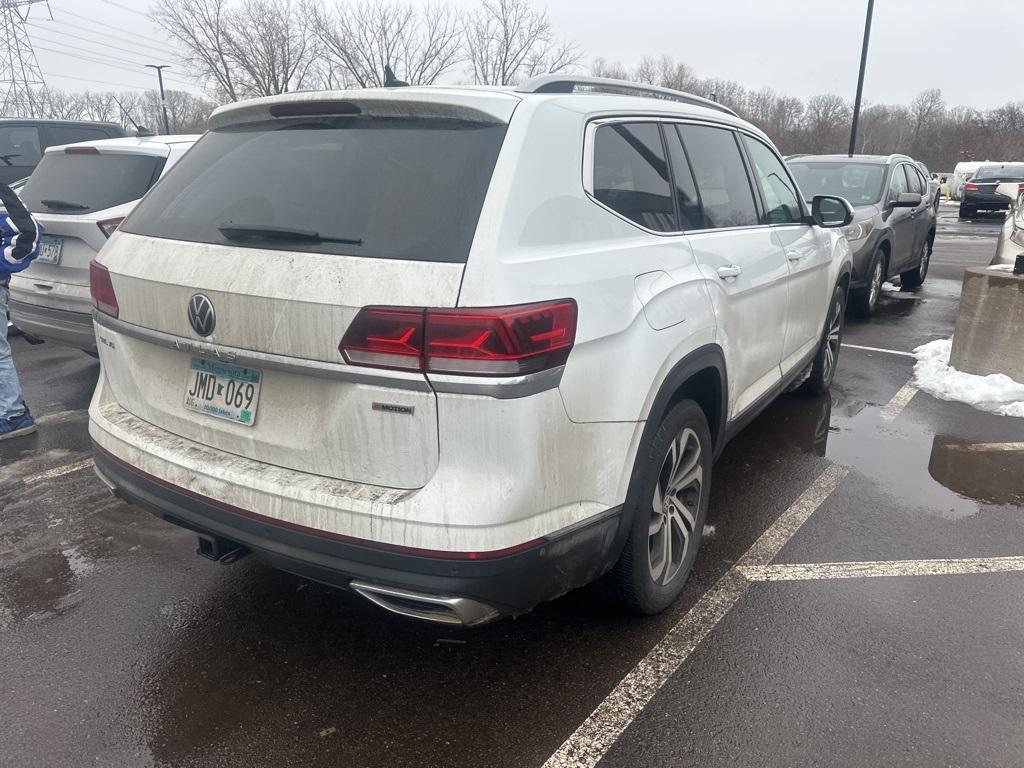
(492, 341)
(108, 226)
(81, 150)
(970, 187)
(102, 290)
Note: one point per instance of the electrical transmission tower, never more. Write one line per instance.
(22, 88)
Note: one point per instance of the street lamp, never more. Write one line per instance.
(860, 77)
(163, 101)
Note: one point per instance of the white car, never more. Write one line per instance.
(79, 194)
(460, 350)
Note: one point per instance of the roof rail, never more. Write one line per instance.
(570, 84)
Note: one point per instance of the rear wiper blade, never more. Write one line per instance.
(64, 204)
(265, 232)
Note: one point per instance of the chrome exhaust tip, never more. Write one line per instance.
(460, 611)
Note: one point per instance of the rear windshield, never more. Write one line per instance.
(76, 184)
(859, 183)
(390, 188)
(1010, 172)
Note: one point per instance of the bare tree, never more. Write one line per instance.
(363, 37)
(601, 67)
(251, 48)
(506, 41)
(927, 108)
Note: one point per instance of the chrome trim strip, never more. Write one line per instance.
(499, 388)
(339, 371)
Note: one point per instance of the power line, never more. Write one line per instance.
(133, 64)
(79, 57)
(126, 8)
(152, 52)
(101, 82)
(107, 25)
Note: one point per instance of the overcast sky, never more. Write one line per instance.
(797, 47)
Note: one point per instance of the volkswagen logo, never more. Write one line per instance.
(201, 315)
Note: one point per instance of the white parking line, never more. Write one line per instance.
(814, 571)
(595, 736)
(878, 349)
(66, 469)
(899, 401)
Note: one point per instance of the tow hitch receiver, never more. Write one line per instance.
(223, 551)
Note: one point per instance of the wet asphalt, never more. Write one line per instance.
(119, 646)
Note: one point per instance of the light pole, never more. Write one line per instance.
(860, 77)
(163, 101)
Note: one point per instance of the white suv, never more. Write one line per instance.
(460, 350)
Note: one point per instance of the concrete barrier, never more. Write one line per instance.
(989, 335)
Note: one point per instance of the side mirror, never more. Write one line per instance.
(906, 200)
(830, 211)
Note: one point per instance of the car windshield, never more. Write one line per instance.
(859, 183)
(378, 187)
(74, 184)
(1008, 172)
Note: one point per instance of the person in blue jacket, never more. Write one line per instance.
(19, 244)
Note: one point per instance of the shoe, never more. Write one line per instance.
(17, 426)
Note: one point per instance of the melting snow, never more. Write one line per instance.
(996, 393)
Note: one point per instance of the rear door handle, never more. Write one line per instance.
(729, 271)
(794, 255)
(43, 286)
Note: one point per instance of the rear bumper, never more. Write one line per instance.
(985, 202)
(74, 329)
(510, 581)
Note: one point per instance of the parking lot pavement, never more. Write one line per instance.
(857, 603)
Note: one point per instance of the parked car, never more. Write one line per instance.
(979, 194)
(393, 340)
(961, 173)
(1011, 237)
(893, 227)
(23, 141)
(79, 194)
(933, 184)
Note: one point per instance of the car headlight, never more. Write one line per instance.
(858, 230)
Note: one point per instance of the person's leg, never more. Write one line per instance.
(12, 406)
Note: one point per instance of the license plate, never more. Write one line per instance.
(49, 249)
(224, 391)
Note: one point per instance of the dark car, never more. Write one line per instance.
(893, 227)
(980, 190)
(23, 141)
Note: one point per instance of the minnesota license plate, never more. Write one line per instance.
(224, 391)
(49, 249)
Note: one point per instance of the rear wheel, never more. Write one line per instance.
(916, 276)
(865, 301)
(823, 369)
(668, 506)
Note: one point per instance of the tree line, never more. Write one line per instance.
(238, 49)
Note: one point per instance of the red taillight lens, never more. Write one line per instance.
(385, 337)
(493, 341)
(81, 151)
(971, 187)
(108, 226)
(500, 341)
(102, 290)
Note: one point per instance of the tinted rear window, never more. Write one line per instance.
(393, 188)
(1011, 172)
(77, 184)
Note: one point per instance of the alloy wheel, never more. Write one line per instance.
(834, 339)
(676, 502)
(876, 284)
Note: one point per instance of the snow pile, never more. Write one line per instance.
(1001, 267)
(996, 393)
(887, 286)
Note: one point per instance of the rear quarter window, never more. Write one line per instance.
(82, 183)
(392, 188)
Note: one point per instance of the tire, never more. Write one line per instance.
(823, 369)
(967, 211)
(865, 301)
(914, 277)
(678, 455)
